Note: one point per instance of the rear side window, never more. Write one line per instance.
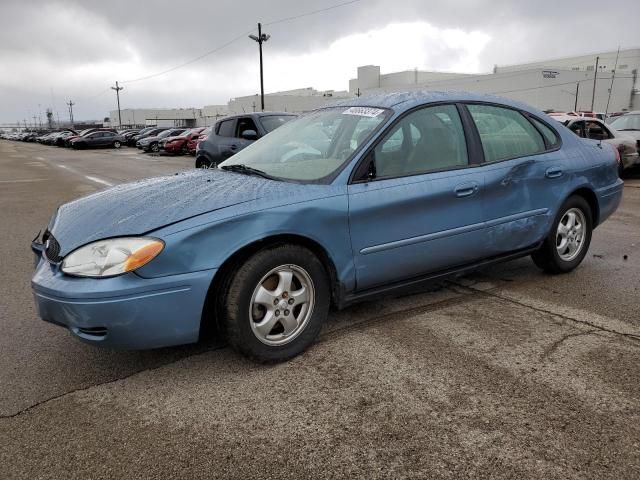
(505, 133)
(549, 135)
(226, 128)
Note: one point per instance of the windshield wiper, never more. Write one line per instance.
(628, 129)
(241, 168)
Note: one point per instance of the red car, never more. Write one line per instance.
(193, 143)
(178, 144)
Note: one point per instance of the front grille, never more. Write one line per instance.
(52, 247)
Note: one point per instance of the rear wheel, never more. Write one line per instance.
(566, 245)
(276, 303)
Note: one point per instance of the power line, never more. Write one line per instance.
(552, 85)
(307, 14)
(235, 39)
(189, 62)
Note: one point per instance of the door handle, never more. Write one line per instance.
(466, 189)
(553, 172)
(233, 146)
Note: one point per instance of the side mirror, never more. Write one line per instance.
(249, 135)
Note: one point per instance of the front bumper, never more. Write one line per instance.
(124, 312)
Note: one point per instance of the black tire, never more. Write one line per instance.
(547, 257)
(235, 307)
(203, 162)
(117, 144)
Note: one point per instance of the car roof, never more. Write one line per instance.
(257, 114)
(402, 101)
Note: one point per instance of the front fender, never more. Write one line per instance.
(209, 245)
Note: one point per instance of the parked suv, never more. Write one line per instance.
(232, 134)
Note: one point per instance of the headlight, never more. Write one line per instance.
(113, 256)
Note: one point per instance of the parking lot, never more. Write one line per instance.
(508, 373)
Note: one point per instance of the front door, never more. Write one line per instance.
(421, 211)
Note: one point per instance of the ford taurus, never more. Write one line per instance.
(342, 204)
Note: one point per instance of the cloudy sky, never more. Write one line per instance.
(53, 51)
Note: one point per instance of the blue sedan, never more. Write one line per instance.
(342, 204)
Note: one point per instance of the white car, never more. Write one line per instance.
(595, 129)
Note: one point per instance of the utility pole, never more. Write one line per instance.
(117, 88)
(595, 77)
(71, 104)
(613, 76)
(261, 38)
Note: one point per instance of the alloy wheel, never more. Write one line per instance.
(281, 305)
(570, 234)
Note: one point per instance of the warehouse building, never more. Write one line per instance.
(560, 84)
(572, 83)
(167, 117)
(295, 101)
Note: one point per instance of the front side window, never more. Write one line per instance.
(596, 131)
(271, 122)
(245, 124)
(505, 133)
(314, 146)
(426, 140)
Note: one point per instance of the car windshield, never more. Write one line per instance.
(271, 122)
(185, 133)
(627, 122)
(166, 133)
(312, 147)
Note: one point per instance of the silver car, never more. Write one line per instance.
(595, 129)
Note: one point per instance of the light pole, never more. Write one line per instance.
(71, 104)
(261, 38)
(117, 88)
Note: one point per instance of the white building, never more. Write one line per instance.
(548, 84)
(559, 84)
(168, 117)
(295, 101)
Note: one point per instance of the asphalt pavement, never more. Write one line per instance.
(507, 373)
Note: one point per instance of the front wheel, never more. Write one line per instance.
(276, 303)
(155, 148)
(117, 144)
(203, 162)
(566, 245)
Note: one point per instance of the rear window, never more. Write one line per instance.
(271, 122)
(505, 133)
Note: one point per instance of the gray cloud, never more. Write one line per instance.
(78, 48)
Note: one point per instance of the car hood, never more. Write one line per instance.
(140, 207)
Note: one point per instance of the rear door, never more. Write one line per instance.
(524, 176)
(422, 212)
(225, 139)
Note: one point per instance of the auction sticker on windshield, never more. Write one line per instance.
(363, 111)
